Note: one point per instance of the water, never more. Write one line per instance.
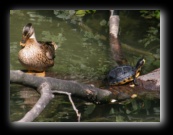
(83, 55)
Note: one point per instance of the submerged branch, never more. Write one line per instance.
(113, 38)
(135, 50)
(71, 101)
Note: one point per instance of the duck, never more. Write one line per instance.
(35, 56)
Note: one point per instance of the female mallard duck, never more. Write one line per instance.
(36, 56)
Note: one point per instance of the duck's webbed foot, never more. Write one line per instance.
(36, 73)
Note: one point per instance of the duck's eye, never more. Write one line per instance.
(25, 33)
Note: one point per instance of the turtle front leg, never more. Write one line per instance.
(134, 82)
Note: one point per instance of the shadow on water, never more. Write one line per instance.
(83, 55)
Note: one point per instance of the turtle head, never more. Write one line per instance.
(140, 63)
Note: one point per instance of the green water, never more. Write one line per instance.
(83, 56)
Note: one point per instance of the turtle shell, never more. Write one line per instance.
(121, 75)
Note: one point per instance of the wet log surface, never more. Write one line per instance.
(96, 94)
(151, 80)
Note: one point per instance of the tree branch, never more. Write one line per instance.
(113, 38)
(47, 85)
(88, 92)
(71, 101)
(45, 98)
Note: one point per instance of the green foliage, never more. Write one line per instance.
(64, 14)
(90, 37)
(150, 14)
(103, 22)
(73, 15)
(84, 12)
(152, 35)
(59, 38)
(153, 32)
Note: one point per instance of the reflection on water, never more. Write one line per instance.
(60, 110)
(83, 55)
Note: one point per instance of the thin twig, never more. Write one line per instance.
(73, 105)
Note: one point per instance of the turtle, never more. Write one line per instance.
(125, 73)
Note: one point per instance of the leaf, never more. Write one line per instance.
(80, 12)
(103, 22)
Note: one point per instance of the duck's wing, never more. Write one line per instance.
(48, 48)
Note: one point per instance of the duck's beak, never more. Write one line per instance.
(22, 44)
(23, 41)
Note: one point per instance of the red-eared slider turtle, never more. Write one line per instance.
(123, 74)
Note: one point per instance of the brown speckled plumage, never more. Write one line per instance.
(35, 55)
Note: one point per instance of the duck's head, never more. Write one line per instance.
(27, 33)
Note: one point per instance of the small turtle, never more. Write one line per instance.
(123, 74)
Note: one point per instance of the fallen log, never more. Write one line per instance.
(114, 42)
(47, 86)
(151, 80)
(88, 92)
